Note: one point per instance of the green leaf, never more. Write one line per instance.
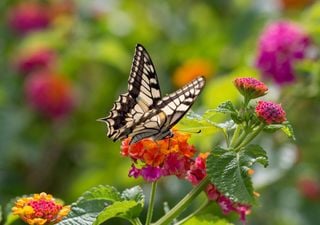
(90, 205)
(288, 130)
(125, 209)
(135, 193)
(228, 171)
(206, 219)
(254, 153)
(226, 107)
(194, 122)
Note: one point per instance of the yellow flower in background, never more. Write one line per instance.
(192, 69)
(40, 209)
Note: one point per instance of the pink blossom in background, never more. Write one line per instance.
(38, 59)
(28, 16)
(281, 44)
(50, 94)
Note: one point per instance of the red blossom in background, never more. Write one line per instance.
(28, 16)
(39, 59)
(270, 113)
(50, 94)
(309, 188)
(250, 87)
(280, 45)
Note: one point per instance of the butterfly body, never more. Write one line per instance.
(141, 112)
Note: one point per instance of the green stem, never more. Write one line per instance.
(235, 135)
(239, 139)
(194, 213)
(251, 136)
(184, 203)
(151, 203)
(136, 221)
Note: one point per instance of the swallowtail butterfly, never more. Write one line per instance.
(142, 112)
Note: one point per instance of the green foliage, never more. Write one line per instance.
(104, 202)
(206, 219)
(286, 127)
(228, 171)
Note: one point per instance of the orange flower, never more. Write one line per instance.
(41, 209)
(295, 4)
(192, 69)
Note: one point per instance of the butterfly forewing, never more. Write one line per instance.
(143, 82)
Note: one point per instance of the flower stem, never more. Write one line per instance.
(250, 137)
(151, 202)
(175, 211)
(235, 135)
(194, 213)
(136, 221)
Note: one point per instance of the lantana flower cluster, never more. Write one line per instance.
(40, 209)
(155, 159)
(268, 112)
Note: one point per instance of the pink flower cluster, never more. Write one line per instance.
(250, 87)
(226, 204)
(280, 45)
(270, 113)
(50, 94)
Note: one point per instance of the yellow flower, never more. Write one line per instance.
(192, 69)
(40, 209)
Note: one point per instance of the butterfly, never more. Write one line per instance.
(142, 112)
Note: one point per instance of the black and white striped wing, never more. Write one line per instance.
(169, 111)
(177, 104)
(143, 84)
(143, 94)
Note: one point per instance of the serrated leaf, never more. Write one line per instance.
(195, 123)
(228, 171)
(134, 193)
(226, 107)
(125, 209)
(206, 219)
(90, 205)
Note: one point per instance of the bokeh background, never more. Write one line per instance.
(63, 63)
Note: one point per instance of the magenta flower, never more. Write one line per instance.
(35, 60)
(150, 173)
(176, 164)
(50, 94)
(270, 113)
(280, 45)
(250, 87)
(28, 16)
(134, 171)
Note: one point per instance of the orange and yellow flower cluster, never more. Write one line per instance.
(40, 209)
(171, 156)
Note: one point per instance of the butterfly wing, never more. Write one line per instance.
(169, 110)
(143, 94)
(143, 84)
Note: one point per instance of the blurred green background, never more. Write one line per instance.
(63, 63)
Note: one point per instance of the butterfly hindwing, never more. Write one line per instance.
(171, 109)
